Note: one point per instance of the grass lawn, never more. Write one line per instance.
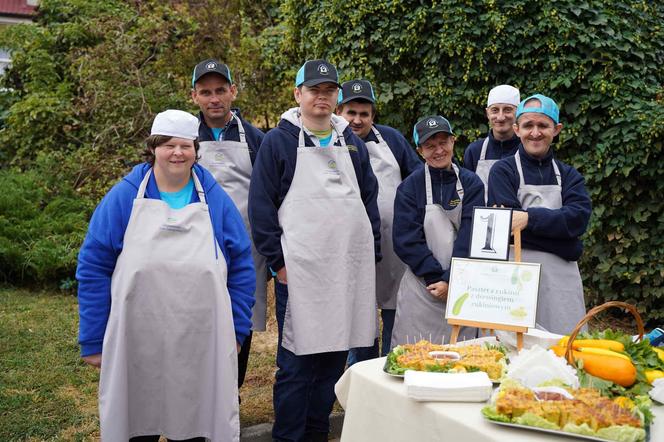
(48, 393)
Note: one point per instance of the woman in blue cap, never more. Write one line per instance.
(433, 212)
(166, 285)
(553, 210)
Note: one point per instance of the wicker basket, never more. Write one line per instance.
(592, 312)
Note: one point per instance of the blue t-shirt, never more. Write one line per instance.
(218, 132)
(179, 199)
(324, 142)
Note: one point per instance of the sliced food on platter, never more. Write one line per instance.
(425, 356)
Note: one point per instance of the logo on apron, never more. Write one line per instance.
(332, 168)
(172, 226)
(218, 159)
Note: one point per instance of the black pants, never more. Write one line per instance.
(242, 359)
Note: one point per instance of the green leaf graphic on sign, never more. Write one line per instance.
(459, 303)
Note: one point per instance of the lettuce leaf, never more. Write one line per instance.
(533, 420)
(491, 413)
(583, 429)
(622, 433)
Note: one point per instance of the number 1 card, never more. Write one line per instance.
(490, 238)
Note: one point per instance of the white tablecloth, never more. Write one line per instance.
(377, 409)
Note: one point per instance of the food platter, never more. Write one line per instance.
(556, 432)
(425, 356)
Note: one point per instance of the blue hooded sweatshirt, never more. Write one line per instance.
(409, 209)
(273, 174)
(554, 231)
(104, 241)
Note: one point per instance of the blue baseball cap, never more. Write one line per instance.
(356, 90)
(547, 107)
(315, 72)
(429, 126)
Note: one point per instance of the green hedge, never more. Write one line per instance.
(600, 60)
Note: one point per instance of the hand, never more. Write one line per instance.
(438, 290)
(238, 346)
(282, 278)
(519, 220)
(94, 360)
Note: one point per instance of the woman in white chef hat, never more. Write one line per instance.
(166, 283)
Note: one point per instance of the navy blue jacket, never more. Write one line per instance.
(409, 209)
(271, 180)
(253, 136)
(555, 231)
(404, 153)
(496, 150)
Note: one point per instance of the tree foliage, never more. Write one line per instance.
(600, 60)
(85, 83)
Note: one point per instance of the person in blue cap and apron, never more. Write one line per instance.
(392, 160)
(433, 213)
(166, 284)
(501, 141)
(313, 214)
(552, 208)
(228, 149)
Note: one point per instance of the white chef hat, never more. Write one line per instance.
(504, 94)
(175, 123)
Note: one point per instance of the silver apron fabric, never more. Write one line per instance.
(169, 361)
(328, 249)
(484, 167)
(419, 314)
(388, 173)
(560, 303)
(230, 163)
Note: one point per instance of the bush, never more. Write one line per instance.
(601, 61)
(39, 235)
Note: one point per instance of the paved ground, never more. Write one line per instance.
(263, 432)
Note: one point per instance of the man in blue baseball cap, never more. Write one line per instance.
(313, 214)
(228, 147)
(552, 210)
(392, 160)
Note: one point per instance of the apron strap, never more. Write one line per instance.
(459, 187)
(378, 135)
(140, 194)
(300, 143)
(240, 128)
(199, 187)
(427, 183)
(485, 144)
(556, 171)
(522, 183)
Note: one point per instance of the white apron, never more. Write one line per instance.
(484, 167)
(169, 361)
(230, 163)
(388, 173)
(420, 315)
(560, 303)
(328, 248)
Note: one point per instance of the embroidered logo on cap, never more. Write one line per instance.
(210, 66)
(432, 123)
(357, 88)
(322, 69)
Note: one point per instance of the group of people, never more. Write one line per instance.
(345, 217)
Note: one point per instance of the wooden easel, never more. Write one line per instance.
(457, 323)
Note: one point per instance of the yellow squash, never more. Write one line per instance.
(594, 343)
(609, 367)
(651, 375)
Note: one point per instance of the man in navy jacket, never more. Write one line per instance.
(313, 214)
(552, 210)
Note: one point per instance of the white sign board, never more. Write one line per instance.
(490, 238)
(498, 292)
